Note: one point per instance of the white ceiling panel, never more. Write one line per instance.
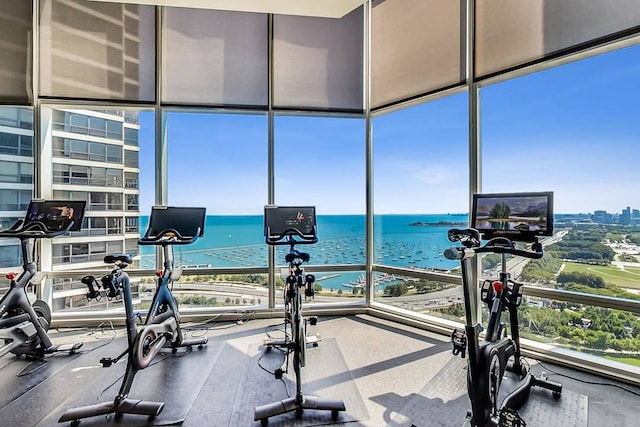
(319, 8)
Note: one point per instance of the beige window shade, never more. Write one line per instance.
(417, 47)
(15, 50)
(318, 61)
(97, 50)
(510, 33)
(214, 57)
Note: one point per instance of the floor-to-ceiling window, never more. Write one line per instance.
(95, 155)
(319, 161)
(219, 161)
(420, 183)
(574, 130)
(16, 175)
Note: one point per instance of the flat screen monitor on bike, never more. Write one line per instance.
(517, 216)
(56, 214)
(184, 220)
(298, 221)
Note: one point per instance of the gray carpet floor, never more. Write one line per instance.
(387, 374)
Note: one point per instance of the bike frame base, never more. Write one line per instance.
(125, 406)
(262, 413)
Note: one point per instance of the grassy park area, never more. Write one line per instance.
(628, 278)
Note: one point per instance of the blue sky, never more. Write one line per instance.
(573, 129)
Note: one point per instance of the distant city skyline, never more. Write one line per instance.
(572, 129)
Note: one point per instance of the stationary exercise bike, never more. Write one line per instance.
(497, 355)
(292, 226)
(168, 226)
(23, 326)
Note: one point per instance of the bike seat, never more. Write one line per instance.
(112, 259)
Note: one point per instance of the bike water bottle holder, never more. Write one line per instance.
(109, 285)
(309, 292)
(291, 284)
(514, 292)
(459, 341)
(94, 288)
(486, 291)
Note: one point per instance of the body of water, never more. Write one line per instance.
(416, 241)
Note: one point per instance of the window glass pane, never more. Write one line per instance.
(114, 129)
(78, 123)
(509, 33)
(81, 161)
(214, 57)
(97, 126)
(10, 256)
(15, 50)
(130, 136)
(9, 143)
(320, 161)
(9, 171)
(9, 117)
(580, 139)
(131, 158)
(114, 153)
(420, 183)
(132, 225)
(218, 162)
(15, 200)
(417, 47)
(318, 61)
(16, 173)
(83, 45)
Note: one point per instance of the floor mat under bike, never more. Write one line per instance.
(173, 378)
(443, 402)
(325, 375)
(19, 375)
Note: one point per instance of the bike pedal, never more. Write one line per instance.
(459, 341)
(106, 362)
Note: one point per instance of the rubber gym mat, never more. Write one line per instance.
(325, 375)
(215, 402)
(443, 402)
(173, 378)
(15, 383)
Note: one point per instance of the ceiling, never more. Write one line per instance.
(318, 8)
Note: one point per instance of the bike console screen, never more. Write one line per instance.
(281, 221)
(516, 216)
(56, 214)
(185, 220)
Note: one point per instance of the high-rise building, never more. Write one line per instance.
(16, 175)
(625, 217)
(91, 155)
(600, 217)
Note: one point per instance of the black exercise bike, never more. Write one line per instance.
(168, 226)
(498, 354)
(23, 326)
(291, 226)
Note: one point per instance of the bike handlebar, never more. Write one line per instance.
(169, 236)
(470, 240)
(290, 235)
(34, 230)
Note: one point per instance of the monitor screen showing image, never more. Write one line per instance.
(184, 220)
(283, 220)
(56, 214)
(517, 216)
